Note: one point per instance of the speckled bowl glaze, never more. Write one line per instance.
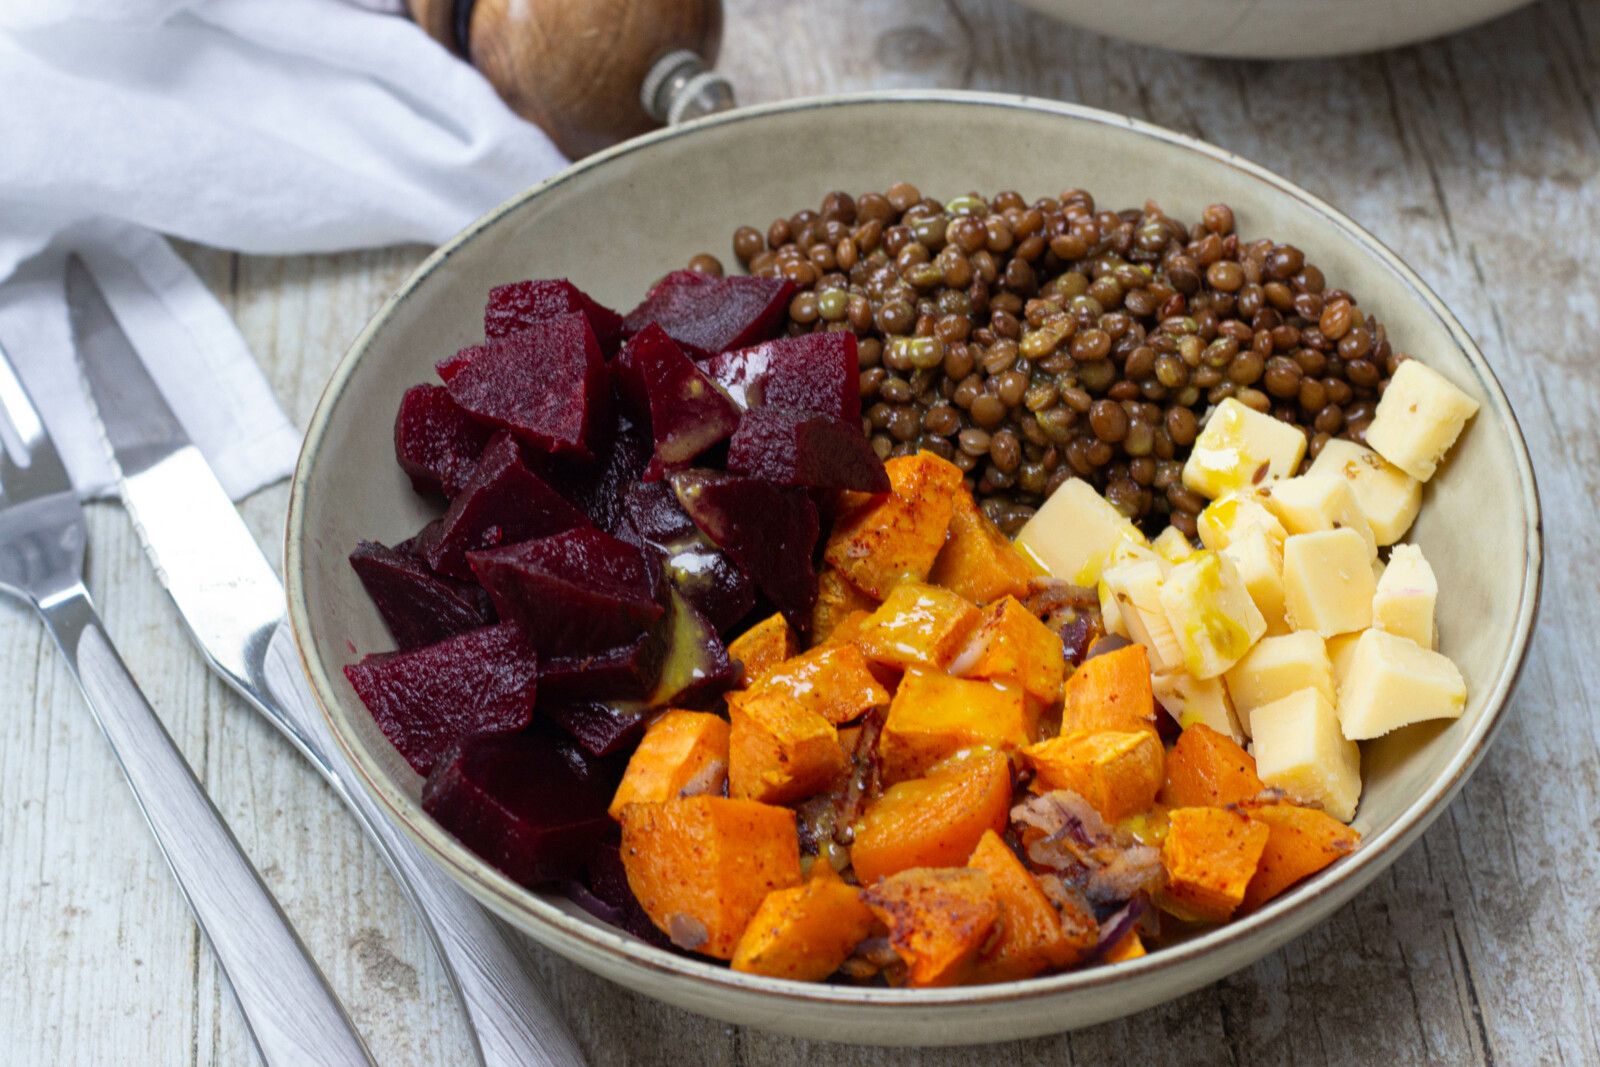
(617, 221)
(1275, 29)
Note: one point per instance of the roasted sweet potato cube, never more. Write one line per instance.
(1035, 937)
(896, 536)
(1012, 645)
(1209, 855)
(1130, 946)
(939, 920)
(934, 821)
(1206, 767)
(978, 561)
(933, 716)
(683, 753)
(1110, 691)
(779, 750)
(918, 625)
(837, 600)
(847, 630)
(804, 932)
(1300, 842)
(763, 646)
(701, 866)
(1116, 771)
(834, 681)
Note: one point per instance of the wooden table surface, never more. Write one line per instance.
(1477, 158)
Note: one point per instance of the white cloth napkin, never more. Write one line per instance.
(267, 127)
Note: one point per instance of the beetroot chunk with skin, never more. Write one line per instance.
(813, 372)
(436, 442)
(576, 593)
(427, 699)
(598, 487)
(625, 671)
(419, 606)
(532, 804)
(688, 411)
(770, 531)
(503, 502)
(600, 728)
(703, 573)
(548, 384)
(520, 305)
(708, 315)
(793, 447)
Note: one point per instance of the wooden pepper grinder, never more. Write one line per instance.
(589, 72)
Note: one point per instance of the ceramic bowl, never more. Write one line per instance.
(1275, 29)
(617, 221)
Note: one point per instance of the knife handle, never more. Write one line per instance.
(512, 1020)
(291, 1012)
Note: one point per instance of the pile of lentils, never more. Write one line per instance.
(1031, 343)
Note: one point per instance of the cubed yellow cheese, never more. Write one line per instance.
(1394, 682)
(1276, 667)
(1192, 700)
(1388, 496)
(1299, 748)
(1341, 650)
(1240, 447)
(1231, 515)
(1110, 613)
(1313, 502)
(1259, 560)
(1136, 589)
(1406, 595)
(1211, 613)
(1172, 546)
(1328, 582)
(1418, 419)
(1072, 534)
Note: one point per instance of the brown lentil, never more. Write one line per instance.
(1029, 343)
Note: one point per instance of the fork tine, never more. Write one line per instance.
(44, 470)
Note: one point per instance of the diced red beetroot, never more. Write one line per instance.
(794, 447)
(530, 803)
(578, 592)
(626, 671)
(698, 569)
(435, 441)
(813, 371)
(709, 315)
(598, 487)
(427, 699)
(418, 606)
(502, 503)
(607, 879)
(548, 384)
(602, 729)
(521, 304)
(770, 531)
(688, 411)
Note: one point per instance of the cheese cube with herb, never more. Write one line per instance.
(1313, 502)
(1259, 560)
(1191, 700)
(1276, 667)
(1388, 496)
(1239, 448)
(1300, 749)
(1135, 588)
(1393, 682)
(1211, 613)
(1418, 419)
(1327, 582)
(1073, 533)
(1406, 596)
(1230, 516)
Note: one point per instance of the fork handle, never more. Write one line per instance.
(291, 1012)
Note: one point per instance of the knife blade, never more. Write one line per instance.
(232, 603)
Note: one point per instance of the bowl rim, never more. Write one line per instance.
(1294, 910)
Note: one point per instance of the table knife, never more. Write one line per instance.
(233, 604)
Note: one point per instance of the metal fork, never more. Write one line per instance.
(292, 1014)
